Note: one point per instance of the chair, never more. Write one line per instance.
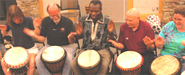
(70, 9)
(155, 23)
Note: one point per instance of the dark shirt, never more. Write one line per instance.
(1, 38)
(133, 40)
(100, 41)
(56, 34)
(19, 37)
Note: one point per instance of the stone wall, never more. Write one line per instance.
(29, 7)
(168, 8)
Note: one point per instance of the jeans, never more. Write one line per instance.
(70, 50)
(3, 50)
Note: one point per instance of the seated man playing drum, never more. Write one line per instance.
(55, 28)
(136, 35)
(95, 29)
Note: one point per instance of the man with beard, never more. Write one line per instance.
(56, 28)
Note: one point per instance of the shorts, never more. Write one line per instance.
(33, 49)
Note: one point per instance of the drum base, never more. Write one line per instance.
(134, 72)
(22, 70)
(55, 67)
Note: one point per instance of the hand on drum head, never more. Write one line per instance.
(110, 26)
(79, 28)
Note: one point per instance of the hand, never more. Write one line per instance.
(3, 27)
(110, 26)
(183, 42)
(183, 57)
(71, 37)
(37, 22)
(159, 41)
(29, 32)
(79, 28)
(148, 41)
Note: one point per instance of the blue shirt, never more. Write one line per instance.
(173, 40)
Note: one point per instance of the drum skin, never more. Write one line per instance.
(129, 63)
(168, 65)
(17, 59)
(54, 58)
(89, 61)
(183, 73)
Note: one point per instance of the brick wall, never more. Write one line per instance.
(168, 8)
(29, 7)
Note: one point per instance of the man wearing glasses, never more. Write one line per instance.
(56, 28)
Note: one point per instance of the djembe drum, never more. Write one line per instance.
(168, 65)
(17, 59)
(89, 61)
(53, 58)
(129, 63)
(183, 73)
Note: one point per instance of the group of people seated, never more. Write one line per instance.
(98, 34)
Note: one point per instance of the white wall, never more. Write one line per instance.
(114, 8)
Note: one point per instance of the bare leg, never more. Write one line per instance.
(31, 69)
(5, 68)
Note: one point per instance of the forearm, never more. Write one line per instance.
(117, 45)
(37, 30)
(39, 38)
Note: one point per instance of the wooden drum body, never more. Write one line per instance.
(129, 63)
(53, 58)
(89, 61)
(17, 59)
(168, 65)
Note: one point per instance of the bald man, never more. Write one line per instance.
(55, 28)
(136, 35)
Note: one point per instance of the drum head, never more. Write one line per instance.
(165, 65)
(129, 60)
(16, 57)
(183, 73)
(53, 54)
(88, 59)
